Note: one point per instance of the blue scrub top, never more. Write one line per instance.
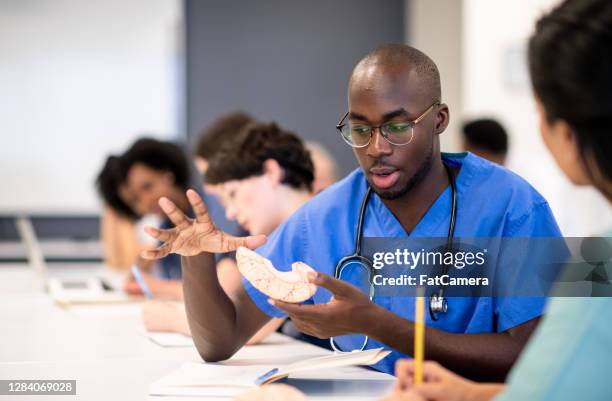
(491, 202)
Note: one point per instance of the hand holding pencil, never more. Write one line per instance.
(419, 380)
(439, 384)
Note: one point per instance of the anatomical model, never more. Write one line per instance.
(291, 286)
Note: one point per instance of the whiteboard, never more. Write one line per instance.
(79, 80)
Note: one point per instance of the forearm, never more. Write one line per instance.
(482, 357)
(171, 290)
(180, 323)
(210, 312)
(265, 331)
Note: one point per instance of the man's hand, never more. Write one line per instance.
(192, 237)
(345, 313)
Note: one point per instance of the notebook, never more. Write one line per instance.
(219, 380)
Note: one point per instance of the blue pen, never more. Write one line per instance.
(140, 280)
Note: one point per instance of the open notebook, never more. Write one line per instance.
(219, 380)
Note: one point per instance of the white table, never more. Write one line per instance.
(103, 348)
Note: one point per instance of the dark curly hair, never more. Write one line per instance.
(223, 129)
(570, 62)
(244, 157)
(155, 154)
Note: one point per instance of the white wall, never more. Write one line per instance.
(495, 82)
(479, 46)
(79, 80)
(435, 27)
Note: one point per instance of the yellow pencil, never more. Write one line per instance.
(419, 335)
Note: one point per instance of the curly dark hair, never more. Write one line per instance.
(244, 157)
(155, 154)
(223, 129)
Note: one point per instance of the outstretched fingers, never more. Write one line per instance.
(157, 253)
(230, 243)
(159, 234)
(174, 213)
(199, 207)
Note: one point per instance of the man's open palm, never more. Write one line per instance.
(191, 237)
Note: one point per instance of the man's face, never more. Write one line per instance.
(377, 97)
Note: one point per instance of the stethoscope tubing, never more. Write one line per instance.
(436, 300)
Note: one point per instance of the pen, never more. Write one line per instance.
(419, 336)
(140, 280)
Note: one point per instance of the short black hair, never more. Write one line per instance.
(486, 134)
(155, 154)
(397, 56)
(223, 129)
(570, 63)
(245, 156)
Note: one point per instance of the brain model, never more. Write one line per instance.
(291, 286)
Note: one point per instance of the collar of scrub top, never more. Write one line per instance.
(437, 302)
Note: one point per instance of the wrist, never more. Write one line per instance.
(375, 320)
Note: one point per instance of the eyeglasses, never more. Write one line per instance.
(397, 133)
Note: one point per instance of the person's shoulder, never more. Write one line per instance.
(507, 197)
(501, 183)
(350, 185)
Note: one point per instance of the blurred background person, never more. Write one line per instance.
(130, 185)
(326, 169)
(222, 130)
(486, 138)
(131, 189)
(263, 176)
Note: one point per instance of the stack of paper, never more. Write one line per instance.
(219, 380)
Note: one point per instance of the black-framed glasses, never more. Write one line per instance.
(398, 133)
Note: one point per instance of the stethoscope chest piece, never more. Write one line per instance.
(438, 305)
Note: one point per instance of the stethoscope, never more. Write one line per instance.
(438, 304)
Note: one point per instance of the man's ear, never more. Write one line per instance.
(442, 118)
(273, 171)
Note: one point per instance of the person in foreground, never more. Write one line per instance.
(568, 357)
(394, 121)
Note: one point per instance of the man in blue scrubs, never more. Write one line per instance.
(395, 118)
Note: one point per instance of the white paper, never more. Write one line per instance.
(173, 340)
(207, 379)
